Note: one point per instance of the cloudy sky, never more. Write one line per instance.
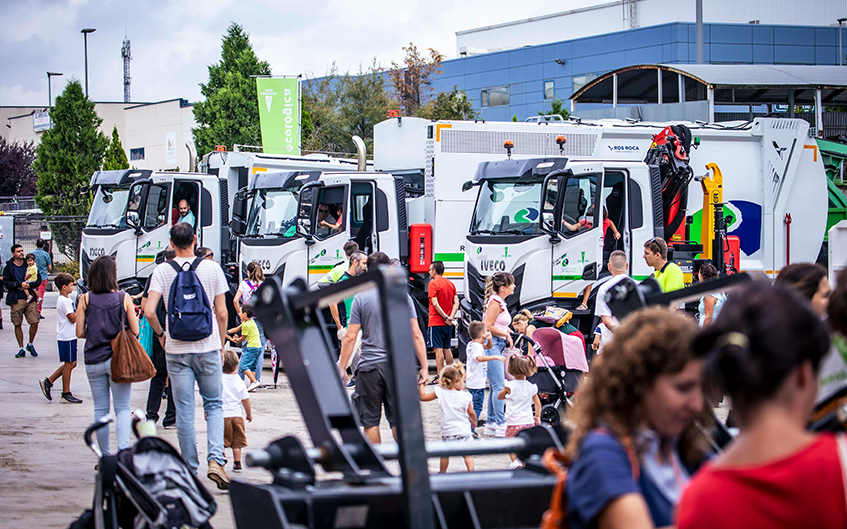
(173, 42)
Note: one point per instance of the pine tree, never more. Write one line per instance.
(230, 113)
(115, 155)
(69, 153)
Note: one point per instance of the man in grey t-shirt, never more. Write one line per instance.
(374, 384)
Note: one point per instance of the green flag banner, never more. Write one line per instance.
(279, 114)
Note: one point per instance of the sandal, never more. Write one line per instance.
(582, 306)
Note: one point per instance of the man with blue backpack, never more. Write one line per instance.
(193, 289)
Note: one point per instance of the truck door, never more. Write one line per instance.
(148, 212)
(615, 215)
(187, 194)
(578, 258)
(363, 229)
(330, 228)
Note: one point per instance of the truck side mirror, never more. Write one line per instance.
(467, 185)
(134, 222)
(239, 214)
(83, 190)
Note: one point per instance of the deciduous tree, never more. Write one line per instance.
(16, 175)
(341, 106)
(557, 106)
(69, 153)
(411, 79)
(323, 130)
(449, 105)
(230, 113)
(364, 102)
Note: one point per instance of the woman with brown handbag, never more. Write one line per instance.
(101, 314)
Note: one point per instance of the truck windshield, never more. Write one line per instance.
(273, 213)
(109, 207)
(508, 207)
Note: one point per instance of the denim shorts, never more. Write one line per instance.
(248, 359)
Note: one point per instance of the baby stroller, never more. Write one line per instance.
(147, 486)
(558, 376)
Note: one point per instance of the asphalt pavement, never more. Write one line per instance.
(47, 472)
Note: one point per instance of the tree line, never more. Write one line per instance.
(334, 108)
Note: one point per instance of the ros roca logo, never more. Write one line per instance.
(623, 148)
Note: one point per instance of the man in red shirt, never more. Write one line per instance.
(443, 304)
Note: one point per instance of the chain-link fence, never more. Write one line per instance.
(65, 234)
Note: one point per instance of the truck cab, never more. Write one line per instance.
(294, 224)
(542, 220)
(132, 212)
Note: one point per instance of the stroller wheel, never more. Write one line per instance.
(550, 415)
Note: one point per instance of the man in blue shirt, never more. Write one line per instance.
(185, 214)
(45, 265)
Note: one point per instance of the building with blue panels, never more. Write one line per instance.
(521, 82)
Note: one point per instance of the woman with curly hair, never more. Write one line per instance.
(635, 425)
(765, 350)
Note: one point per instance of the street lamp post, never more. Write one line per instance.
(840, 55)
(85, 33)
(50, 88)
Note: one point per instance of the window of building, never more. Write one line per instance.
(136, 154)
(549, 90)
(582, 80)
(495, 96)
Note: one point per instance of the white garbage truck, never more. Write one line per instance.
(542, 218)
(132, 210)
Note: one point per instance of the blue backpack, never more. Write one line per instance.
(189, 311)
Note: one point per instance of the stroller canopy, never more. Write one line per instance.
(563, 349)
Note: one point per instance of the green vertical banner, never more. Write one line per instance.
(279, 114)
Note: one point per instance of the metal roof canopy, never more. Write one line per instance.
(721, 84)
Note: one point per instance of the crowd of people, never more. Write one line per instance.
(641, 447)
(642, 454)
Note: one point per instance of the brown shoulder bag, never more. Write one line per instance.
(130, 362)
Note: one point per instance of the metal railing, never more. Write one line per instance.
(17, 203)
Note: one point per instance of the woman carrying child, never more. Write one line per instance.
(457, 414)
(521, 396)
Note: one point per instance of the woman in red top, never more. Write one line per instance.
(765, 350)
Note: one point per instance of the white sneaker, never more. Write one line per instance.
(490, 430)
(500, 431)
(515, 464)
(252, 387)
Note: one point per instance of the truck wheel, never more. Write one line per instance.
(550, 415)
